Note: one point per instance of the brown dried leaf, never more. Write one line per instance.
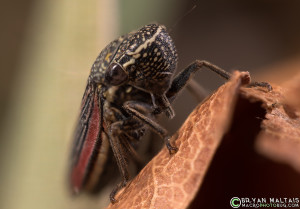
(173, 181)
(280, 135)
(292, 97)
(235, 115)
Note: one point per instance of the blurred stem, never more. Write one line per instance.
(62, 42)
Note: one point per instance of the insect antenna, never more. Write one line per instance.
(183, 16)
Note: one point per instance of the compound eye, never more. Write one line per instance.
(115, 75)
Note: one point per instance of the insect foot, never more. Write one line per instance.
(172, 149)
(115, 191)
(261, 84)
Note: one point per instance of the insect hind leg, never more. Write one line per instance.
(118, 151)
(119, 138)
(197, 90)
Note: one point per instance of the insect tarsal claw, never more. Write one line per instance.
(261, 84)
(172, 149)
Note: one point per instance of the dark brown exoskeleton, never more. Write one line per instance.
(131, 82)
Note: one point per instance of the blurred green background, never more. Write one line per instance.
(48, 47)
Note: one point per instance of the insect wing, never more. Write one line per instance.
(87, 140)
(90, 142)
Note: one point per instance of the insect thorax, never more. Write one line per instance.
(148, 56)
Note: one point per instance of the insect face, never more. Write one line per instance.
(148, 57)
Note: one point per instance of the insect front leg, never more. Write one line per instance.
(164, 104)
(183, 77)
(142, 112)
(261, 84)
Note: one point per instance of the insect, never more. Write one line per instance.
(131, 82)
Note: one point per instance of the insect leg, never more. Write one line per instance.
(130, 131)
(164, 103)
(196, 90)
(139, 110)
(114, 133)
(261, 84)
(182, 78)
(130, 150)
(119, 140)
